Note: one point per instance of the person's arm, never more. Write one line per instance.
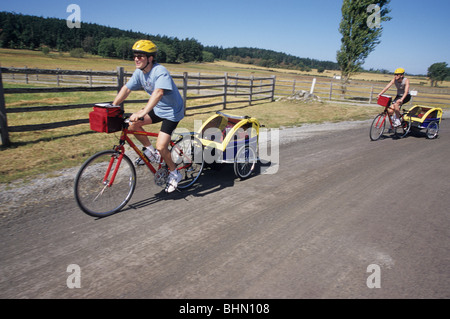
(154, 99)
(122, 95)
(387, 87)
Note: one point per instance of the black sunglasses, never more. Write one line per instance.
(139, 56)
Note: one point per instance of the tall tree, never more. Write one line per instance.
(361, 31)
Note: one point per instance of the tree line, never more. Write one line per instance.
(20, 31)
(269, 58)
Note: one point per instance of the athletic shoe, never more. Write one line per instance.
(397, 123)
(172, 181)
(153, 156)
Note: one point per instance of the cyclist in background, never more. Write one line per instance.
(165, 105)
(403, 96)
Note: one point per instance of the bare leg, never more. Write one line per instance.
(137, 126)
(397, 107)
(162, 145)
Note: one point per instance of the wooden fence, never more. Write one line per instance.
(243, 89)
(360, 92)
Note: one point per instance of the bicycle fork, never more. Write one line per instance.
(382, 119)
(109, 183)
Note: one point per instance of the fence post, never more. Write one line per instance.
(225, 90)
(198, 84)
(250, 98)
(293, 87)
(313, 85)
(120, 82)
(3, 119)
(331, 89)
(273, 87)
(371, 94)
(185, 85)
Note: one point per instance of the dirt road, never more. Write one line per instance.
(341, 215)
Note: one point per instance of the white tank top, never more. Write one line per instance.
(401, 87)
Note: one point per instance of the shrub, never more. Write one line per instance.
(77, 53)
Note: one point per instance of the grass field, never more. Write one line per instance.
(47, 151)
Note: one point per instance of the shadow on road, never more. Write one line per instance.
(213, 179)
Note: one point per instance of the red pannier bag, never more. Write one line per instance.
(384, 100)
(106, 118)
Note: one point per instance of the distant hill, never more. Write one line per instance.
(270, 59)
(19, 31)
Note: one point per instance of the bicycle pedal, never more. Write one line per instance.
(139, 162)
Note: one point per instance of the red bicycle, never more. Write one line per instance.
(378, 126)
(107, 180)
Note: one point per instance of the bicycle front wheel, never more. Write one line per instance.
(377, 127)
(187, 154)
(94, 192)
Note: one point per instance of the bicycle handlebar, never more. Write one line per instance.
(127, 120)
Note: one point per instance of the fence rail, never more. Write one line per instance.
(91, 81)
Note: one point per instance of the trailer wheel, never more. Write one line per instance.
(432, 130)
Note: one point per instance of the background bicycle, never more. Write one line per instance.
(378, 127)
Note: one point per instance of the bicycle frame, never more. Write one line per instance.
(383, 118)
(106, 181)
(124, 138)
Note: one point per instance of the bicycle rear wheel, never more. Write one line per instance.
(187, 154)
(92, 191)
(377, 127)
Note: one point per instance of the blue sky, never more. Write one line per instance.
(416, 37)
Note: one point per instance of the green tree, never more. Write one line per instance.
(438, 72)
(361, 31)
(106, 47)
(208, 56)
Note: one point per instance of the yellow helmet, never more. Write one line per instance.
(399, 71)
(145, 46)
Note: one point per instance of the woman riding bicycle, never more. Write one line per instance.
(402, 97)
(165, 105)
